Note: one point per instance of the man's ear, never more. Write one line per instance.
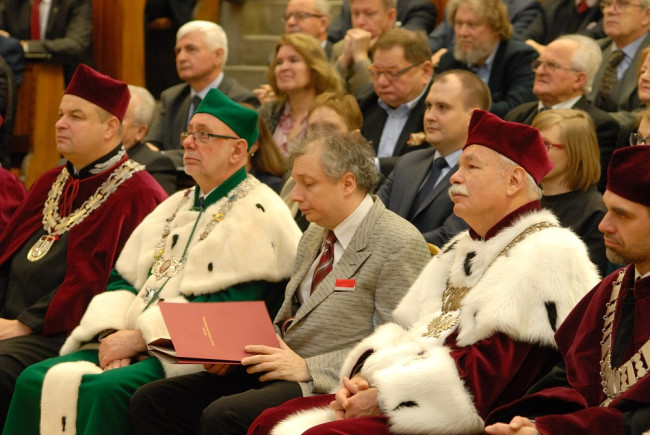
(239, 151)
(516, 181)
(112, 128)
(349, 183)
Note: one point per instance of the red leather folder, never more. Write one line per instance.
(212, 332)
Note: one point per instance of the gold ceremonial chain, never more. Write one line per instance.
(169, 267)
(617, 380)
(453, 296)
(55, 225)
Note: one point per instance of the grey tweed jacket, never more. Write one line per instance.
(384, 257)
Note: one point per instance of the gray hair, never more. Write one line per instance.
(213, 35)
(531, 187)
(389, 4)
(586, 58)
(322, 6)
(144, 105)
(341, 153)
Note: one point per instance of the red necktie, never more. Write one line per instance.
(582, 7)
(35, 21)
(326, 260)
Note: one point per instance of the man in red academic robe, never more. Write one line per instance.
(59, 247)
(601, 386)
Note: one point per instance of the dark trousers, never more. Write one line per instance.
(204, 403)
(15, 355)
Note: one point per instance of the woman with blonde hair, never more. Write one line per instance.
(569, 190)
(298, 74)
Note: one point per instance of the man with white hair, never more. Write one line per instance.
(564, 74)
(201, 54)
(310, 17)
(476, 327)
(134, 126)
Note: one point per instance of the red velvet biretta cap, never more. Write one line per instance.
(520, 143)
(628, 175)
(106, 92)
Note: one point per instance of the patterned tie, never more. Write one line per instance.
(609, 78)
(35, 21)
(326, 260)
(437, 167)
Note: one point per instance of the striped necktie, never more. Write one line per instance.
(326, 261)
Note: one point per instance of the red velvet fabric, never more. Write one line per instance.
(579, 341)
(11, 195)
(93, 245)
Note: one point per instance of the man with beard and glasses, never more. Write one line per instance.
(601, 384)
(484, 46)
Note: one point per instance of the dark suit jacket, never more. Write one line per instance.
(511, 79)
(160, 166)
(435, 217)
(606, 129)
(560, 17)
(415, 15)
(171, 118)
(374, 118)
(624, 99)
(68, 36)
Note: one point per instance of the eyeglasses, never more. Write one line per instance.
(549, 65)
(390, 73)
(550, 145)
(203, 137)
(299, 16)
(637, 139)
(620, 4)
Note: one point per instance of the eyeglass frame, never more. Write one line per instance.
(550, 66)
(620, 5)
(185, 134)
(548, 145)
(299, 16)
(644, 140)
(391, 74)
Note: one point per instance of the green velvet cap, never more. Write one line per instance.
(240, 119)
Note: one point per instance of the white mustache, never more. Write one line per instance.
(457, 189)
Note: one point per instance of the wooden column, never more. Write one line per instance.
(38, 104)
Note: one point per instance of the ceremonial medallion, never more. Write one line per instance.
(41, 247)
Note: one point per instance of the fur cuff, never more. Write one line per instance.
(105, 311)
(299, 422)
(426, 395)
(60, 395)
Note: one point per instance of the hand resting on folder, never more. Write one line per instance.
(277, 363)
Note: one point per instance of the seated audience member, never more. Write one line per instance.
(60, 245)
(520, 12)
(476, 328)
(12, 194)
(243, 255)
(602, 384)
(561, 17)
(310, 17)
(564, 74)
(484, 45)
(642, 134)
(417, 188)
(265, 161)
(370, 20)
(340, 112)
(62, 30)
(355, 256)
(136, 123)
(643, 85)
(569, 190)
(413, 15)
(615, 85)
(201, 55)
(298, 74)
(401, 75)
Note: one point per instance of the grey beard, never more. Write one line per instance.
(472, 56)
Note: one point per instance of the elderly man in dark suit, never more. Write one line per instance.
(564, 73)
(417, 187)
(201, 54)
(484, 46)
(401, 73)
(353, 265)
(615, 84)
